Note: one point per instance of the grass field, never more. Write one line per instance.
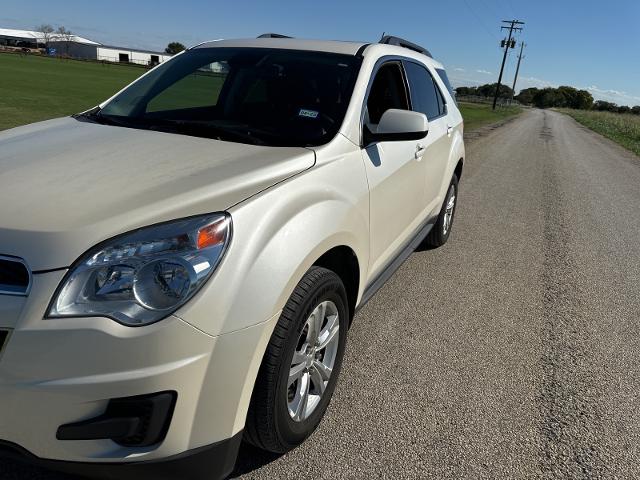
(38, 88)
(622, 128)
(35, 88)
(477, 115)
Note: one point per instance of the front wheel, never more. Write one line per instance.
(440, 232)
(301, 364)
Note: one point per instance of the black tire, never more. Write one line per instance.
(438, 235)
(269, 425)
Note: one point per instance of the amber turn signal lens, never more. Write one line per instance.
(212, 235)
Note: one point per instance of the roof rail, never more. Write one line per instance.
(273, 35)
(401, 42)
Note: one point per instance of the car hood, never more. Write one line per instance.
(66, 184)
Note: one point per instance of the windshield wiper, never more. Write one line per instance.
(186, 127)
(94, 115)
(206, 129)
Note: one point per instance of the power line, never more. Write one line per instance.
(489, 6)
(508, 7)
(511, 7)
(507, 45)
(480, 22)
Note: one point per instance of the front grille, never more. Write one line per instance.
(15, 277)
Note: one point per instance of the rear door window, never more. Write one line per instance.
(425, 96)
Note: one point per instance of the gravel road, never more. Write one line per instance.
(513, 351)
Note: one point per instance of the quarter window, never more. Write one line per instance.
(447, 83)
(425, 95)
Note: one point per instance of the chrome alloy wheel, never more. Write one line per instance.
(448, 212)
(313, 361)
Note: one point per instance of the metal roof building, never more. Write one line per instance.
(38, 37)
(79, 47)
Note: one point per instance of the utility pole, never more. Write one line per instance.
(507, 45)
(515, 78)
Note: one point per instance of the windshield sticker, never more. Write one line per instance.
(307, 113)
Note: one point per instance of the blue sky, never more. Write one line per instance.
(586, 44)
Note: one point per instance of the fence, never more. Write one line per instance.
(502, 102)
(130, 61)
(40, 53)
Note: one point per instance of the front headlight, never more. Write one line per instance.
(143, 276)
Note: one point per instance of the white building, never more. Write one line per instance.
(128, 55)
(78, 47)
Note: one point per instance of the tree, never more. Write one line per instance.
(46, 30)
(174, 47)
(486, 91)
(605, 106)
(466, 91)
(584, 100)
(573, 98)
(489, 90)
(66, 36)
(526, 95)
(549, 97)
(635, 110)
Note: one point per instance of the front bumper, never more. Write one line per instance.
(205, 463)
(64, 371)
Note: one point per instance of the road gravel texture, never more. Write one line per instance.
(512, 351)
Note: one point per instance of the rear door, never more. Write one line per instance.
(427, 98)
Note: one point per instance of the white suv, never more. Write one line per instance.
(180, 265)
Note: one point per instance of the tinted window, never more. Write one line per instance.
(250, 95)
(424, 93)
(387, 91)
(443, 76)
(198, 89)
(441, 103)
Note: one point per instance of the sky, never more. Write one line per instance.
(582, 43)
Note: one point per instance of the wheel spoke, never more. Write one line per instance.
(295, 373)
(329, 332)
(323, 370)
(318, 320)
(303, 392)
(318, 381)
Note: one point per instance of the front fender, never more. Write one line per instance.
(278, 235)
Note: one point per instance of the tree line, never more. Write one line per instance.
(563, 96)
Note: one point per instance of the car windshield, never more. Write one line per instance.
(260, 96)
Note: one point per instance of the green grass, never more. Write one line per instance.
(477, 115)
(38, 88)
(622, 128)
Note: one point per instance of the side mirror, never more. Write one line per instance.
(397, 126)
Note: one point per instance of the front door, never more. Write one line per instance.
(394, 171)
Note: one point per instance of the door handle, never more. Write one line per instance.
(420, 151)
(449, 130)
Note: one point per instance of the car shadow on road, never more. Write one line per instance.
(251, 458)
(13, 470)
